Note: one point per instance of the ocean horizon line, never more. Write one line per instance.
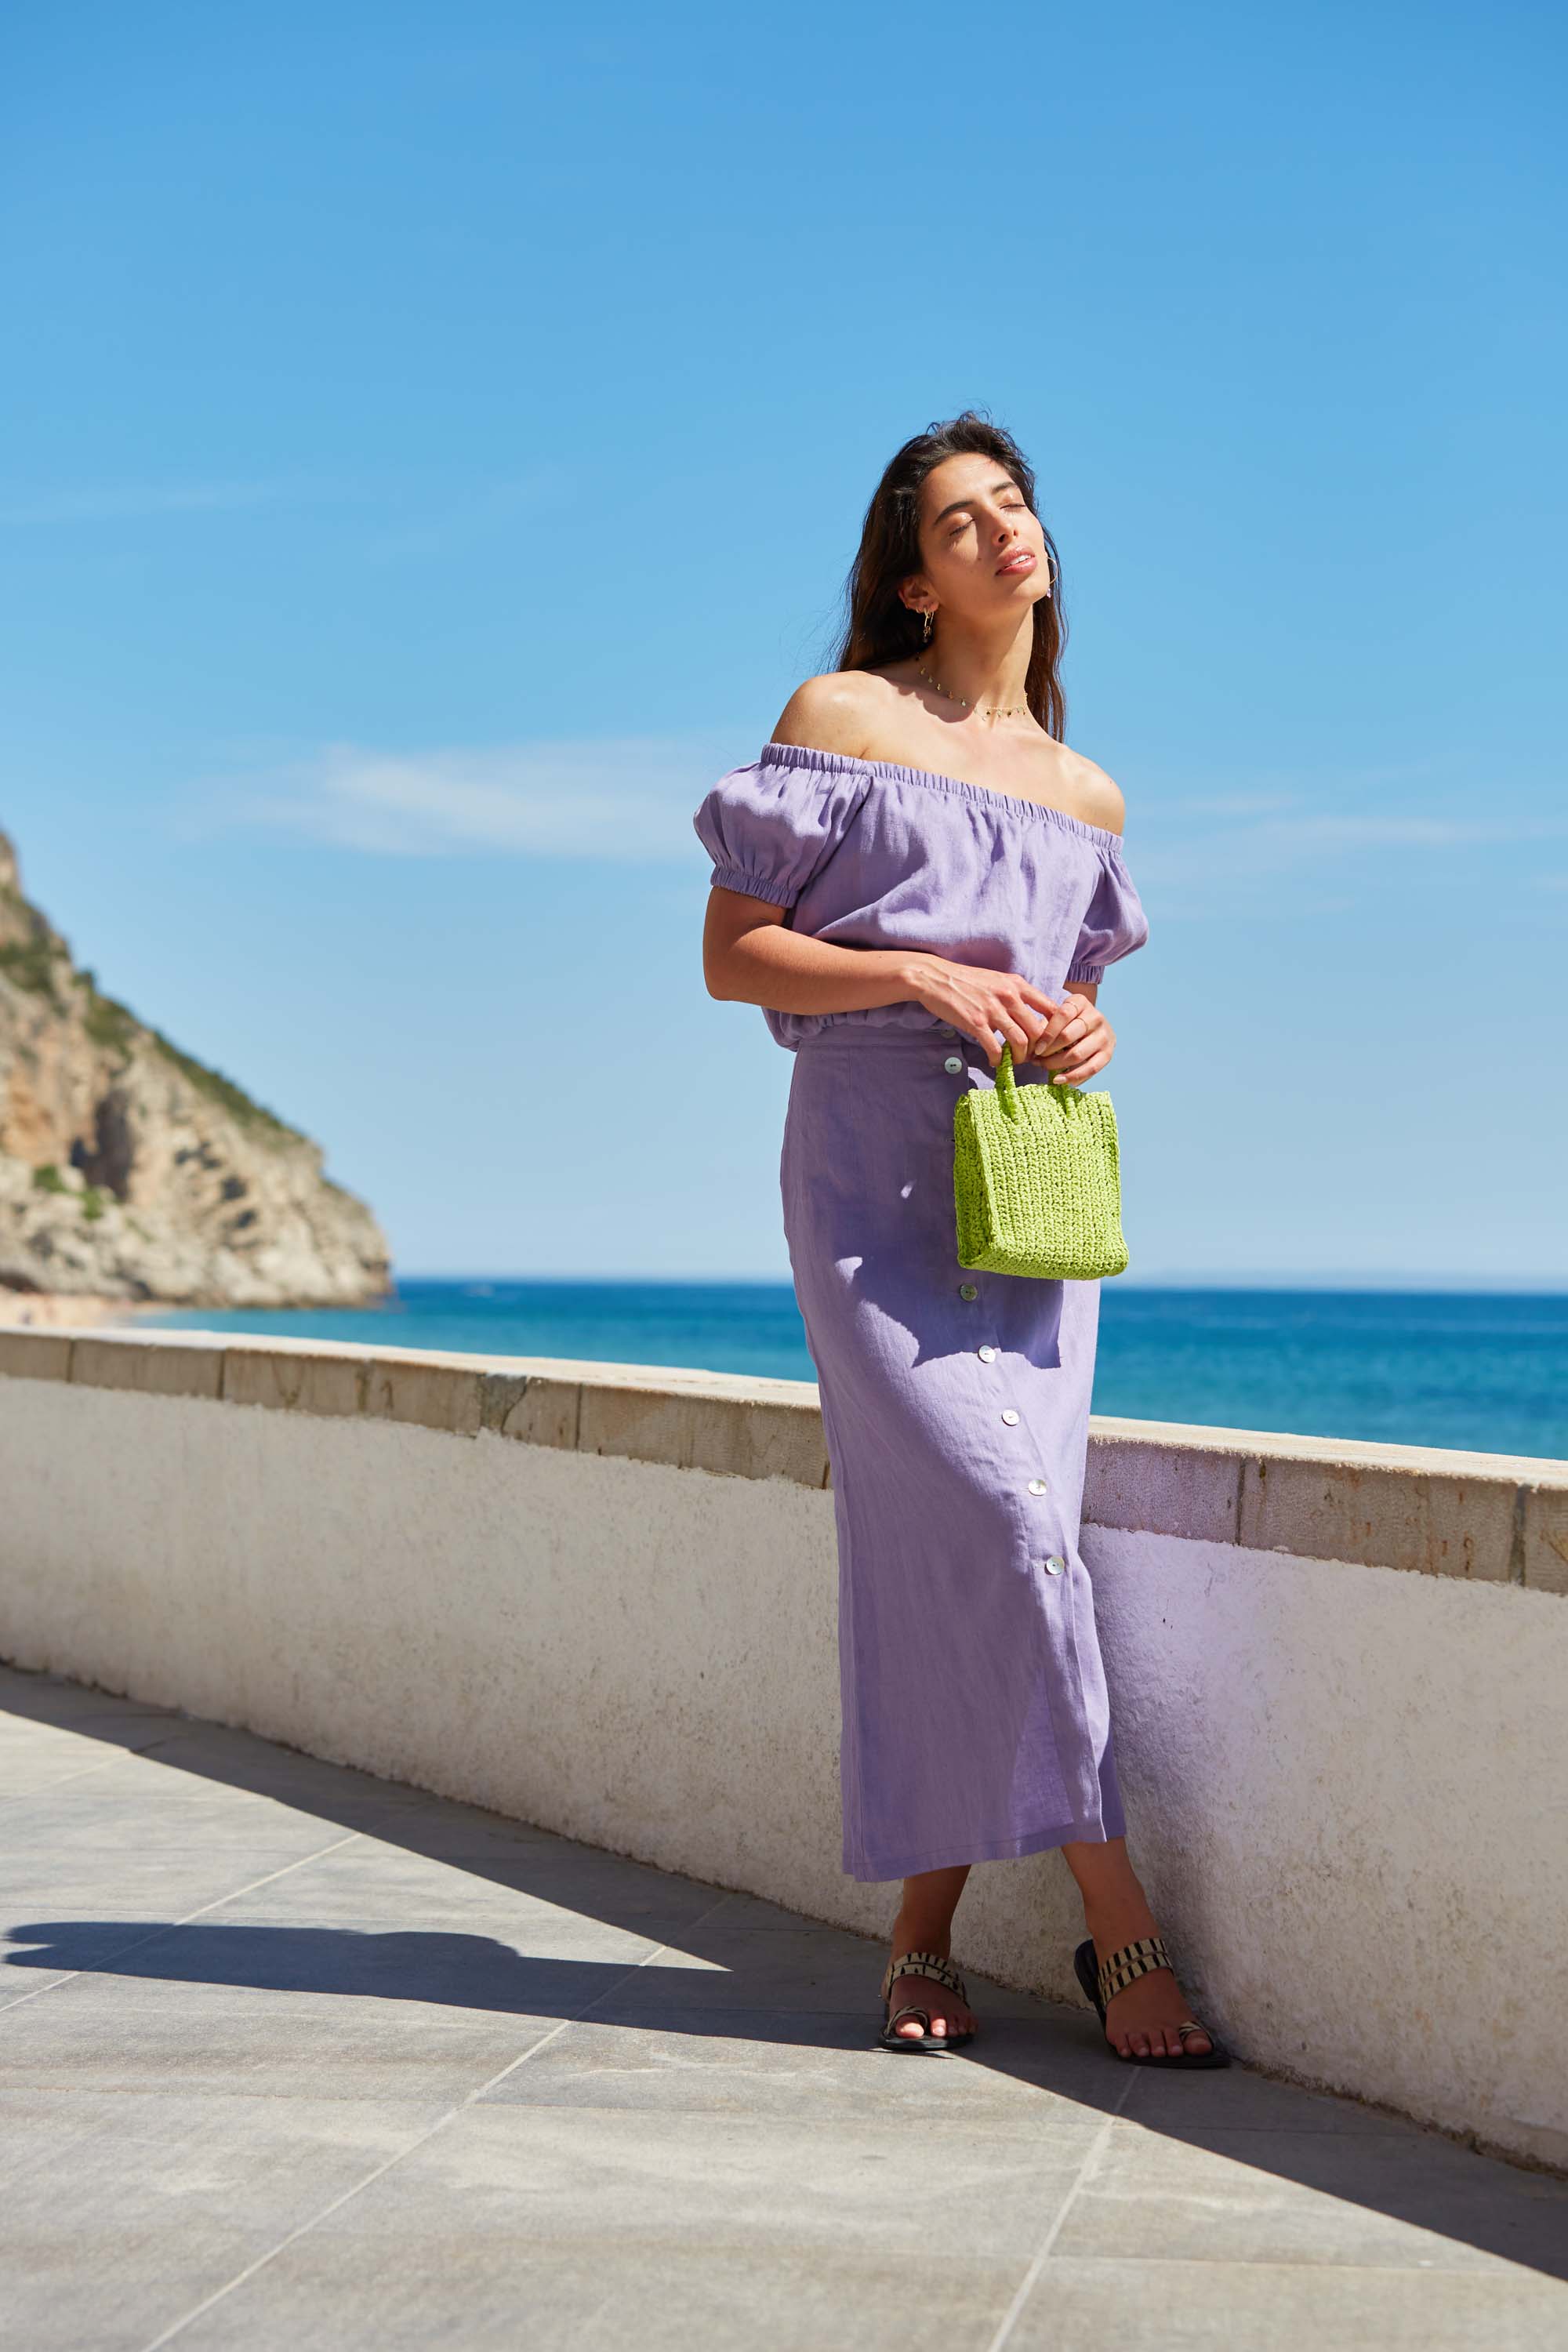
(1262, 1278)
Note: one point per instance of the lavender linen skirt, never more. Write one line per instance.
(956, 1408)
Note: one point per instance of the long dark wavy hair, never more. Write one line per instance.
(879, 627)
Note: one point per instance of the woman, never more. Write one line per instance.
(916, 870)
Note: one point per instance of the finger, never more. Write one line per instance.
(1083, 1020)
(1048, 1034)
(1077, 1052)
(1073, 1028)
(1017, 1037)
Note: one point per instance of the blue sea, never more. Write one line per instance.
(1486, 1371)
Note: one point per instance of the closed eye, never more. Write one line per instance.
(1010, 506)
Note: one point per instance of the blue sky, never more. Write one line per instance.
(431, 447)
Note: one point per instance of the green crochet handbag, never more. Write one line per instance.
(1036, 1180)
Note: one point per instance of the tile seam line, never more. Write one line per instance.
(104, 1764)
(75, 1976)
(1028, 2284)
(460, 2107)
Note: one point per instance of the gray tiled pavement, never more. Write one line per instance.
(291, 2056)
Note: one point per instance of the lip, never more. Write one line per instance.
(1017, 565)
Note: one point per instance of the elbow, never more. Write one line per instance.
(731, 974)
(717, 978)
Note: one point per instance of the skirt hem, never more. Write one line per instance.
(1096, 1833)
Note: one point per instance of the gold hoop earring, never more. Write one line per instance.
(925, 632)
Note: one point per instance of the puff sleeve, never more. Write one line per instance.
(771, 826)
(1115, 922)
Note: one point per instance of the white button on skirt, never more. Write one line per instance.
(974, 1721)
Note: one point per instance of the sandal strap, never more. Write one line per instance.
(1133, 1961)
(924, 1964)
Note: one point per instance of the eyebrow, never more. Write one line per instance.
(995, 489)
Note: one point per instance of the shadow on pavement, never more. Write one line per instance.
(751, 1973)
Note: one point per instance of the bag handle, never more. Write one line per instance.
(1008, 1084)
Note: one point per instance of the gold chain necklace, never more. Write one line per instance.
(997, 709)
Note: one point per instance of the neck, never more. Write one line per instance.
(989, 668)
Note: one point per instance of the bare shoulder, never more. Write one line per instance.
(1097, 790)
(834, 713)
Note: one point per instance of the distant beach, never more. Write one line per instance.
(57, 1310)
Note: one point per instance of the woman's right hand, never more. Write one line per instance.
(981, 1003)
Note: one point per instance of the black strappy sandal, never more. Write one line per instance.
(1101, 1984)
(921, 1964)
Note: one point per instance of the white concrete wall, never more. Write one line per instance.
(1347, 1783)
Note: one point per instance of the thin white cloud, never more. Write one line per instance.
(489, 508)
(1237, 803)
(1241, 850)
(134, 502)
(1354, 829)
(628, 797)
(631, 797)
(449, 519)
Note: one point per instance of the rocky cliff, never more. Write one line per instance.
(130, 1170)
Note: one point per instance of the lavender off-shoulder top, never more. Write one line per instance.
(868, 854)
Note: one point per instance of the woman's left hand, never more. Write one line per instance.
(1077, 1041)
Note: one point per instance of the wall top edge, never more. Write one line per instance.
(1368, 1453)
(196, 1362)
(29, 1354)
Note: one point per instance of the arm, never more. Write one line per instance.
(749, 956)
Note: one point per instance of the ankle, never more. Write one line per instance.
(1111, 1925)
(912, 1937)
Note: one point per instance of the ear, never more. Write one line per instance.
(915, 592)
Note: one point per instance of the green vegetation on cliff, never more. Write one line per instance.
(40, 962)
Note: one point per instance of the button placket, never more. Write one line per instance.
(987, 1353)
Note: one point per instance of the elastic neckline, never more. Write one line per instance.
(809, 755)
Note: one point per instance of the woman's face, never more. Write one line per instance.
(982, 553)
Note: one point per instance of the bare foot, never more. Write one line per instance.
(948, 2014)
(1141, 2021)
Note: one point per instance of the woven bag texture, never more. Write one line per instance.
(1036, 1183)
